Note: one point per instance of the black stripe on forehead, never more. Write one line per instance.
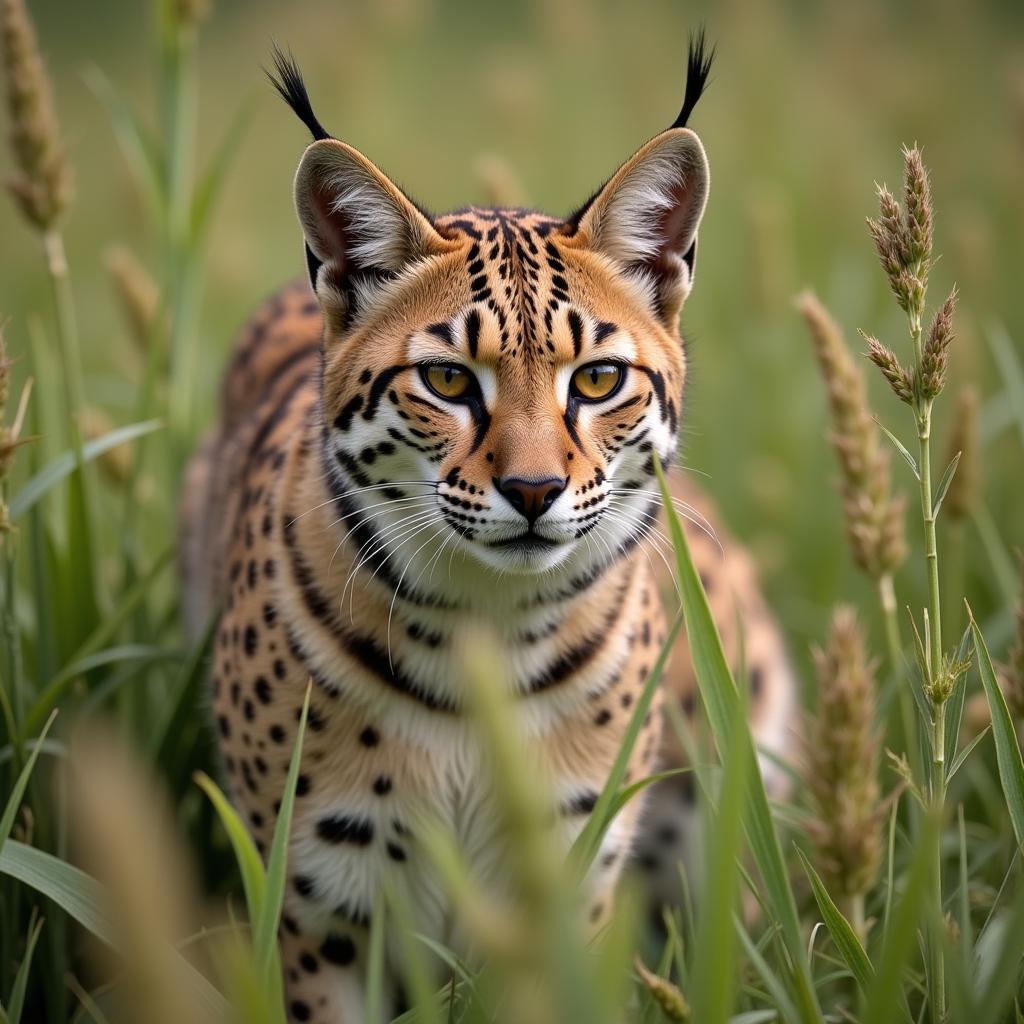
(576, 329)
(473, 331)
(442, 331)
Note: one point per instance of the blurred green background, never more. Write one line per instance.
(809, 103)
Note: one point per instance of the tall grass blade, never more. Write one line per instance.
(268, 917)
(106, 629)
(249, 864)
(1011, 370)
(961, 757)
(21, 784)
(64, 464)
(71, 889)
(956, 702)
(210, 185)
(721, 698)
(82, 898)
(843, 935)
(714, 974)
(947, 479)
(998, 975)
(786, 1011)
(140, 149)
(182, 696)
(902, 934)
(16, 1002)
(610, 801)
(1008, 758)
(375, 968)
(84, 588)
(901, 448)
(416, 970)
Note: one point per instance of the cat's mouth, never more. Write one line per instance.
(525, 541)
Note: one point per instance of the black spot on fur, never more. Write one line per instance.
(339, 950)
(345, 828)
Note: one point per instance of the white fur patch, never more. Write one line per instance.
(379, 233)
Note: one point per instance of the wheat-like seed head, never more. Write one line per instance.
(917, 197)
(904, 239)
(874, 517)
(136, 290)
(843, 757)
(43, 185)
(935, 354)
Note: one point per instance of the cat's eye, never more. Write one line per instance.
(597, 381)
(447, 380)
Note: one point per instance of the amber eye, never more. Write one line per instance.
(447, 380)
(597, 380)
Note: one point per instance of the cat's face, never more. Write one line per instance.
(497, 381)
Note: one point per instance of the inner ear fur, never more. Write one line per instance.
(647, 216)
(360, 228)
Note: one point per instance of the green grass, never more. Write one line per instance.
(192, 166)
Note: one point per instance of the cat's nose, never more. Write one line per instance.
(531, 498)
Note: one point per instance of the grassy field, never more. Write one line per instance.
(183, 157)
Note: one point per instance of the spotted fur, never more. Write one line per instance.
(345, 520)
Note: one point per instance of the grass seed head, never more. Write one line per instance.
(43, 185)
(904, 239)
(874, 518)
(668, 996)
(116, 463)
(843, 757)
(136, 291)
(940, 688)
(917, 196)
(935, 354)
(900, 378)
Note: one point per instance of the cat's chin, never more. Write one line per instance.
(523, 557)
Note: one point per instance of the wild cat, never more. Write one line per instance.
(456, 416)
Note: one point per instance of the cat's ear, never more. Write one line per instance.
(646, 217)
(361, 230)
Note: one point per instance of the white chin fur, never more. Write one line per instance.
(518, 561)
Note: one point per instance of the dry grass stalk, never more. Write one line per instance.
(125, 836)
(874, 517)
(136, 291)
(115, 463)
(43, 185)
(843, 756)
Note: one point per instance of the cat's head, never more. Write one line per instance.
(501, 377)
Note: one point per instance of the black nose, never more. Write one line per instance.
(531, 498)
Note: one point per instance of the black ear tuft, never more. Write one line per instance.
(698, 67)
(292, 89)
